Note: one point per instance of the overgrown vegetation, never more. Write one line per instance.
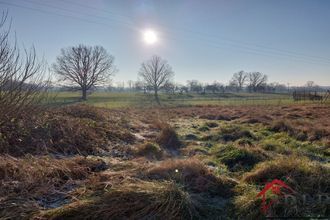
(143, 200)
(194, 151)
(31, 183)
(139, 167)
(71, 130)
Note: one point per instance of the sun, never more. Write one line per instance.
(150, 37)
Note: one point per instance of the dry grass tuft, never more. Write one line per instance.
(168, 138)
(193, 175)
(282, 126)
(234, 132)
(211, 124)
(318, 134)
(301, 131)
(141, 200)
(149, 150)
(32, 181)
(302, 172)
(305, 177)
(240, 158)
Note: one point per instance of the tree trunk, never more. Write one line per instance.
(156, 97)
(84, 94)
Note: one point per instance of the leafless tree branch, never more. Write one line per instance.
(21, 77)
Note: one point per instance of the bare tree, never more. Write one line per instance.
(130, 84)
(182, 89)
(140, 86)
(257, 81)
(169, 87)
(85, 66)
(156, 73)
(239, 79)
(311, 86)
(21, 77)
(195, 86)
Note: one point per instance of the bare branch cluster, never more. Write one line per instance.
(21, 77)
(257, 80)
(239, 80)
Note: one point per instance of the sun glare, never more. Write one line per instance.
(150, 37)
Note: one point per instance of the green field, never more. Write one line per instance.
(117, 100)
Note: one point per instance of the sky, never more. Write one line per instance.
(206, 40)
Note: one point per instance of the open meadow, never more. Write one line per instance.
(77, 161)
(126, 99)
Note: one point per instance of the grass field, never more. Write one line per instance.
(198, 162)
(195, 157)
(117, 100)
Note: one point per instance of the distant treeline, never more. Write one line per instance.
(195, 86)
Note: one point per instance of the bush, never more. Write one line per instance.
(168, 138)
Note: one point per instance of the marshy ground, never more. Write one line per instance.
(201, 162)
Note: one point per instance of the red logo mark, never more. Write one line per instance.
(273, 187)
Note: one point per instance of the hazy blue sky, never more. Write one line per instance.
(207, 40)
